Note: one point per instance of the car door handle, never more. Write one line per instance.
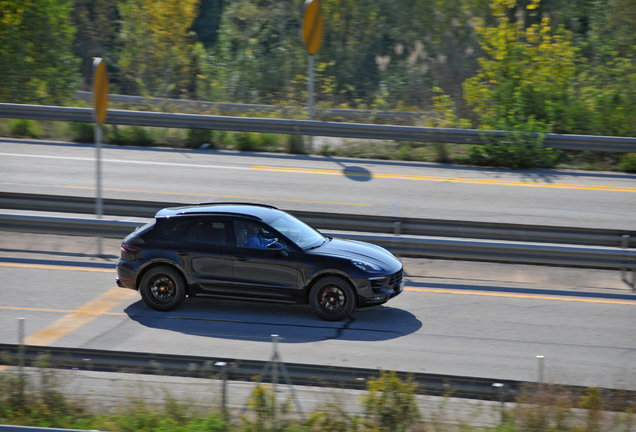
(241, 258)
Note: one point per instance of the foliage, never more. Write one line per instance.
(523, 148)
(246, 141)
(23, 128)
(97, 24)
(208, 21)
(390, 404)
(257, 53)
(331, 417)
(628, 163)
(36, 55)
(269, 413)
(131, 135)
(156, 47)
(444, 116)
(526, 74)
(82, 132)
(196, 137)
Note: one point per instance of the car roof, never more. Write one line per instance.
(257, 211)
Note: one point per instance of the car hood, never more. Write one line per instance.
(352, 249)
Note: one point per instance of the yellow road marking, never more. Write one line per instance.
(446, 179)
(219, 196)
(79, 317)
(54, 267)
(55, 310)
(524, 296)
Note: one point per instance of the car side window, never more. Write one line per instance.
(208, 232)
(177, 231)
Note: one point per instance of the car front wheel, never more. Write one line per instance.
(332, 299)
(162, 288)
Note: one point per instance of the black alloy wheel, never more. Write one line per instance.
(162, 288)
(332, 299)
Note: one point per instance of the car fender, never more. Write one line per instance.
(326, 273)
(160, 261)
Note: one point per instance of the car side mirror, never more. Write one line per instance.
(278, 248)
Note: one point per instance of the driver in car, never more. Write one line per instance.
(254, 238)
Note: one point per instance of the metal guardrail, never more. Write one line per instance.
(349, 222)
(307, 127)
(256, 108)
(245, 370)
(418, 247)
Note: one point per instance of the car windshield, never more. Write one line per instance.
(299, 232)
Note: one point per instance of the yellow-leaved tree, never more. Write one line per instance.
(524, 84)
(157, 48)
(527, 72)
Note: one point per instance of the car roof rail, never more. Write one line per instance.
(203, 213)
(239, 203)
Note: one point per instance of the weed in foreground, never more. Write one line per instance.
(389, 405)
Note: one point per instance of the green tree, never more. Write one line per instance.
(207, 24)
(258, 53)
(606, 87)
(157, 49)
(97, 27)
(36, 40)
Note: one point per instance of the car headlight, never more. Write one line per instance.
(367, 266)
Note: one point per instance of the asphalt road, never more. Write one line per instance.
(316, 183)
(457, 318)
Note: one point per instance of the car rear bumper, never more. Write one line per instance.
(126, 277)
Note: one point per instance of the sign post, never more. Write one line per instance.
(100, 102)
(313, 28)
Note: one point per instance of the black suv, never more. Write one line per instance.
(252, 252)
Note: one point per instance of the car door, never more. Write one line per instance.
(260, 272)
(205, 255)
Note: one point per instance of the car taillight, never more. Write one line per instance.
(128, 248)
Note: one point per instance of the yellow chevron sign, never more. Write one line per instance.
(313, 26)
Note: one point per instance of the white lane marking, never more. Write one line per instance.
(124, 161)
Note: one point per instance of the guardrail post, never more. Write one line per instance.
(397, 228)
(500, 388)
(21, 357)
(540, 376)
(624, 245)
(223, 367)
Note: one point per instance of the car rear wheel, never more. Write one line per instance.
(162, 288)
(332, 299)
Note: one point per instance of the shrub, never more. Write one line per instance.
(196, 137)
(82, 132)
(628, 163)
(247, 141)
(23, 128)
(523, 148)
(134, 135)
(269, 141)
